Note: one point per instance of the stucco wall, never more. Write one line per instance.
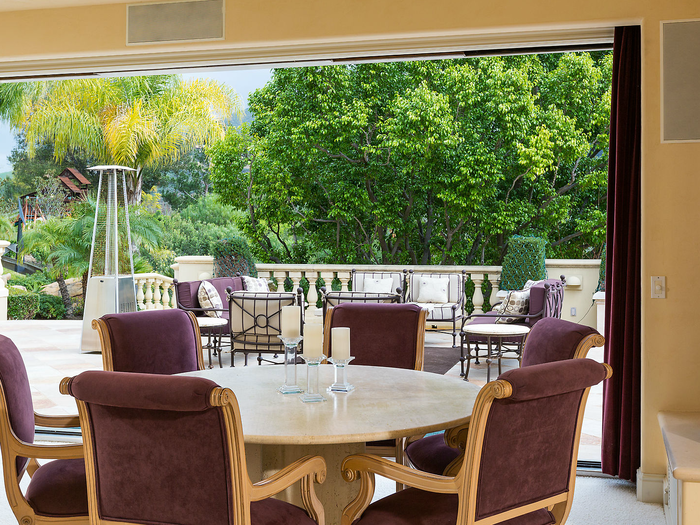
(262, 31)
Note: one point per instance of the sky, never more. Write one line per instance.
(242, 82)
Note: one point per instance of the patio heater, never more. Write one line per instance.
(111, 285)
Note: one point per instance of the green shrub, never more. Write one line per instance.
(601, 272)
(22, 304)
(525, 259)
(233, 255)
(32, 282)
(50, 307)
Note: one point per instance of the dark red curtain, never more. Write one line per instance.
(622, 393)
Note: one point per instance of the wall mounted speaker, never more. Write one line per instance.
(680, 81)
(175, 22)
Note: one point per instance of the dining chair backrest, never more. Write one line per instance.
(381, 334)
(553, 339)
(17, 395)
(160, 449)
(151, 342)
(523, 441)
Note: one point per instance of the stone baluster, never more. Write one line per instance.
(279, 278)
(296, 280)
(478, 299)
(344, 277)
(157, 305)
(494, 277)
(139, 293)
(313, 294)
(148, 296)
(166, 301)
(328, 279)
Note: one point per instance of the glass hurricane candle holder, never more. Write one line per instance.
(340, 368)
(312, 394)
(290, 365)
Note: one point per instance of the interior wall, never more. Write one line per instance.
(268, 30)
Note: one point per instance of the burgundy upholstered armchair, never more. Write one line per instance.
(520, 462)
(550, 340)
(186, 297)
(391, 335)
(545, 300)
(169, 449)
(152, 342)
(57, 491)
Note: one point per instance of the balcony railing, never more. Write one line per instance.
(481, 287)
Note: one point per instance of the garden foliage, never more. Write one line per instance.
(423, 162)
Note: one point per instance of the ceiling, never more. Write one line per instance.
(21, 5)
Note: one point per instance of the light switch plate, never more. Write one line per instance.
(658, 287)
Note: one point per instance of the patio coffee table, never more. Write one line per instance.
(492, 331)
(387, 403)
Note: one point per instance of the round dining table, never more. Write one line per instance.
(386, 403)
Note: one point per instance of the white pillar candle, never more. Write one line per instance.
(291, 321)
(313, 340)
(340, 342)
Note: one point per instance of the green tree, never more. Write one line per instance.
(186, 180)
(133, 121)
(422, 162)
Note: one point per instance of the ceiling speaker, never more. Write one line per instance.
(175, 22)
(681, 78)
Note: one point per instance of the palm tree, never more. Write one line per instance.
(133, 121)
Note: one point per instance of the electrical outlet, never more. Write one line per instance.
(658, 287)
(573, 311)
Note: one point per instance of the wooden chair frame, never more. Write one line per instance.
(107, 359)
(457, 437)
(397, 451)
(306, 470)
(12, 447)
(465, 482)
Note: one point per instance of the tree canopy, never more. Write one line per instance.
(433, 162)
(133, 121)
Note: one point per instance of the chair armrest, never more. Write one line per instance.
(367, 463)
(307, 469)
(30, 450)
(306, 466)
(44, 420)
(457, 437)
(365, 466)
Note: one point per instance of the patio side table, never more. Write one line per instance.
(492, 331)
(213, 322)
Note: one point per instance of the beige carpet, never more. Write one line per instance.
(597, 501)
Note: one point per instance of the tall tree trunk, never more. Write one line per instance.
(65, 295)
(134, 181)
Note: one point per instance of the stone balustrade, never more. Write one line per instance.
(313, 273)
(154, 291)
(481, 290)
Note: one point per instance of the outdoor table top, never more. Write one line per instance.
(387, 403)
